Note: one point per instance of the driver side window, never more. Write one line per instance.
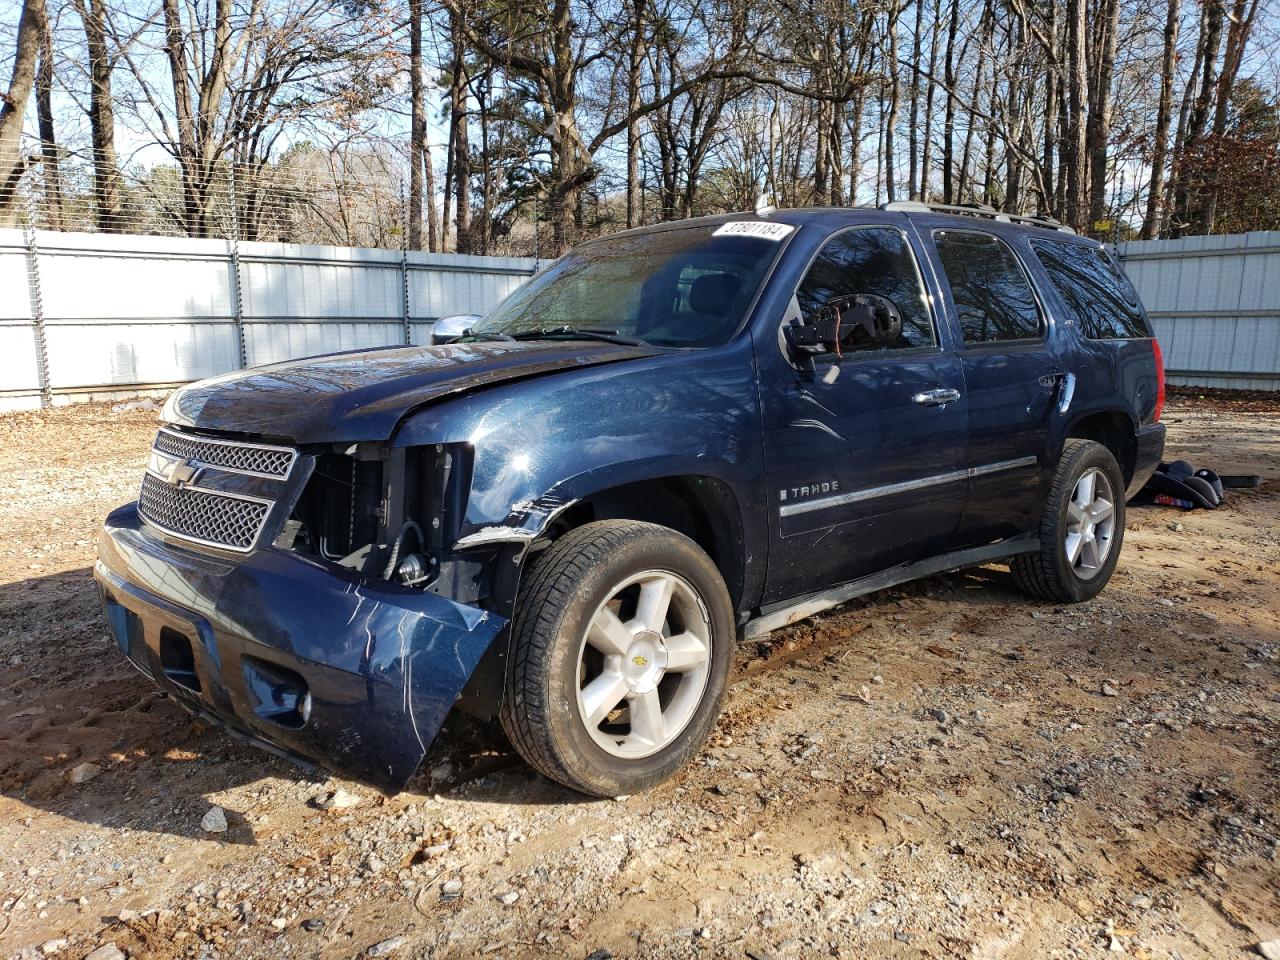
(870, 260)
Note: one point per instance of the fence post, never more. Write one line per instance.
(404, 267)
(36, 295)
(237, 300)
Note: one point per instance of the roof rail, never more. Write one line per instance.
(975, 210)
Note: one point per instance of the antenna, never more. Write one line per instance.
(764, 205)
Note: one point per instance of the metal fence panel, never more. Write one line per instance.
(273, 342)
(1215, 306)
(17, 345)
(103, 356)
(124, 314)
(289, 281)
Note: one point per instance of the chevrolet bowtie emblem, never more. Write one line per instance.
(179, 473)
(640, 661)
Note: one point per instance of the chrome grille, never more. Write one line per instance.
(228, 454)
(216, 519)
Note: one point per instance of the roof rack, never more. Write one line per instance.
(975, 210)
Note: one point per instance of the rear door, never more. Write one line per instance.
(1013, 376)
(864, 449)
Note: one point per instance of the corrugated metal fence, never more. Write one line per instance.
(96, 315)
(1215, 305)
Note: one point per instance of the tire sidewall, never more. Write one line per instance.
(1094, 456)
(607, 774)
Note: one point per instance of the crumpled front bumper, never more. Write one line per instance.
(289, 653)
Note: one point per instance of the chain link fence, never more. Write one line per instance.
(309, 197)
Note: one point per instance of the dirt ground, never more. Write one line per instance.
(943, 770)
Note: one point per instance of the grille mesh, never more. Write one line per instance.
(272, 461)
(200, 515)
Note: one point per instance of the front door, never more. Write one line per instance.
(1014, 378)
(864, 448)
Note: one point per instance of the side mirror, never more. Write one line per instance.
(850, 322)
(449, 329)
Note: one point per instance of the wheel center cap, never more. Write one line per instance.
(645, 662)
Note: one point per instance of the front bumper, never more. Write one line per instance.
(1149, 449)
(290, 654)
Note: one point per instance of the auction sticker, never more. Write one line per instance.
(754, 228)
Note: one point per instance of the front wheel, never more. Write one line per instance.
(1081, 529)
(624, 635)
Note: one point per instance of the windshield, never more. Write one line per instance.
(688, 287)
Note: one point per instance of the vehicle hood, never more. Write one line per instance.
(362, 395)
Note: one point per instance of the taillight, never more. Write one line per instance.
(1159, 357)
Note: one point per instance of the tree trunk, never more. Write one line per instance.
(1239, 27)
(913, 143)
(1160, 141)
(484, 92)
(434, 237)
(48, 141)
(634, 71)
(188, 155)
(1188, 219)
(102, 124)
(891, 121)
(1077, 107)
(949, 120)
(1098, 133)
(417, 125)
(1240, 22)
(1015, 117)
(31, 30)
(1049, 151)
(926, 145)
(461, 146)
(984, 42)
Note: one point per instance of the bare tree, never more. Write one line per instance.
(102, 124)
(49, 159)
(1160, 136)
(417, 130)
(31, 31)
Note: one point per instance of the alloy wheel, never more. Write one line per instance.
(1091, 523)
(643, 664)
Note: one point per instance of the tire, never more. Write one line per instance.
(590, 614)
(1072, 566)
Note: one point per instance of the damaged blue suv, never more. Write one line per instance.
(670, 440)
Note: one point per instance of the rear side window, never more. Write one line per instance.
(993, 298)
(870, 260)
(1099, 296)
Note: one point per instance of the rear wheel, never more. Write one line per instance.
(622, 649)
(1081, 529)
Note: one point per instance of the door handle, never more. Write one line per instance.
(936, 398)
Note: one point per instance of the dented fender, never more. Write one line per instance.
(540, 446)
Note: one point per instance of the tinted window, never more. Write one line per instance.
(687, 287)
(1098, 295)
(876, 260)
(993, 298)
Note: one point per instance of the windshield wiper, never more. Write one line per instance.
(578, 333)
(487, 335)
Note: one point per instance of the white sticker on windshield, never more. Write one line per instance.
(753, 228)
